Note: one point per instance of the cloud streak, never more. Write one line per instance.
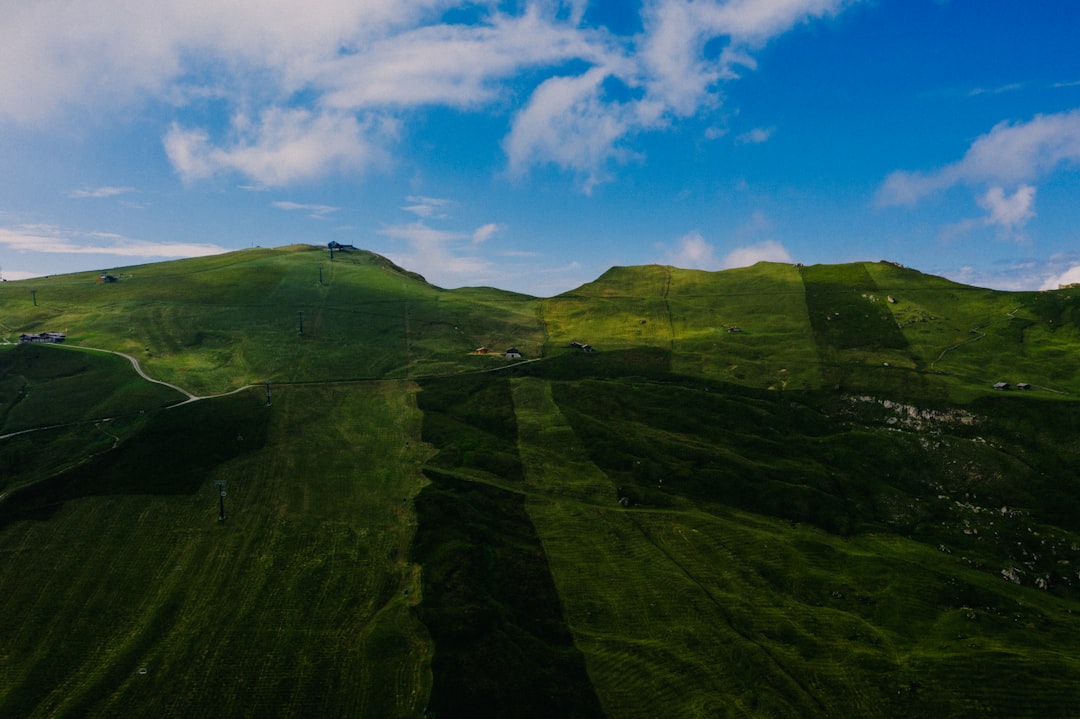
(48, 239)
(100, 192)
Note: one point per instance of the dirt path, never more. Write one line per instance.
(138, 368)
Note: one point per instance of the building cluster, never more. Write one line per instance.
(47, 337)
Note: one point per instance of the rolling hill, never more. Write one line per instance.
(775, 491)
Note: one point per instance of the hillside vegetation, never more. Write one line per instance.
(777, 491)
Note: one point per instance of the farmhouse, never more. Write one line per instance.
(107, 279)
(513, 353)
(1023, 385)
(1001, 385)
(481, 351)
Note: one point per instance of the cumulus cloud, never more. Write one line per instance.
(767, 251)
(569, 124)
(280, 147)
(1010, 212)
(693, 252)
(310, 86)
(1070, 276)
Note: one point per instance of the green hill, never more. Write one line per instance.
(774, 491)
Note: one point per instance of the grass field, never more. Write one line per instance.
(829, 512)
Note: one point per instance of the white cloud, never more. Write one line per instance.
(316, 87)
(1019, 274)
(283, 146)
(756, 136)
(318, 212)
(427, 206)
(486, 232)
(1070, 276)
(49, 239)
(98, 55)
(101, 192)
(1009, 212)
(1010, 154)
(693, 252)
(767, 251)
(453, 65)
(567, 123)
(436, 254)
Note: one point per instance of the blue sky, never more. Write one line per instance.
(532, 145)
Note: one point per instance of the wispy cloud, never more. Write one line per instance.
(101, 192)
(435, 254)
(427, 206)
(1011, 153)
(756, 136)
(318, 212)
(1022, 274)
(49, 239)
(486, 232)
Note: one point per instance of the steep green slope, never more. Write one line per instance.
(124, 595)
(829, 512)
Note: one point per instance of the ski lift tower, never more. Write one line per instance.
(220, 484)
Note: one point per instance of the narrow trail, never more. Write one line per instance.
(977, 330)
(138, 368)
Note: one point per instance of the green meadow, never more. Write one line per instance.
(777, 491)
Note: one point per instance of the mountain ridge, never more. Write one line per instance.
(771, 491)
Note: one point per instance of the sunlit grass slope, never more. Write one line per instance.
(871, 325)
(214, 324)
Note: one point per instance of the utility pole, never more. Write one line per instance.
(320, 275)
(268, 393)
(220, 484)
(33, 293)
(300, 314)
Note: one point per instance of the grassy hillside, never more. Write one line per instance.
(768, 492)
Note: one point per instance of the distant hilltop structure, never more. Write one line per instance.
(46, 337)
(1069, 286)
